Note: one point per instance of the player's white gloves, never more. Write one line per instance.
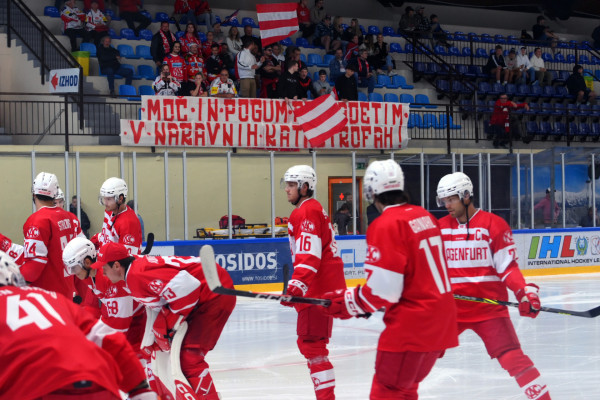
(345, 304)
(295, 288)
(529, 301)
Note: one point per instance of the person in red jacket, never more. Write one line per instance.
(482, 262)
(51, 348)
(501, 123)
(406, 273)
(318, 269)
(130, 11)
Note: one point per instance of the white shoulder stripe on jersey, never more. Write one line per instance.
(182, 285)
(98, 332)
(475, 279)
(384, 283)
(463, 231)
(504, 257)
(308, 243)
(307, 267)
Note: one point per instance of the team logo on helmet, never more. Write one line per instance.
(33, 232)
(373, 254)
(129, 239)
(308, 226)
(5, 245)
(156, 286)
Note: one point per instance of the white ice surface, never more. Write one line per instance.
(257, 357)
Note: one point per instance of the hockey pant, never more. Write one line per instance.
(397, 375)
(76, 391)
(205, 325)
(314, 330)
(501, 342)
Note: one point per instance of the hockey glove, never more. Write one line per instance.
(529, 301)
(345, 304)
(295, 288)
(163, 328)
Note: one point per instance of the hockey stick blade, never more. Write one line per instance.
(591, 313)
(209, 266)
(149, 244)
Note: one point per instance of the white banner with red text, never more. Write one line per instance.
(258, 123)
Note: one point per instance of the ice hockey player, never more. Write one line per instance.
(406, 274)
(318, 269)
(177, 286)
(482, 262)
(47, 231)
(14, 250)
(51, 348)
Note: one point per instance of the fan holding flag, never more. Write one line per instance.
(276, 21)
(321, 119)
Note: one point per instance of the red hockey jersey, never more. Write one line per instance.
(122, 228)
(318, 268)
(177, 67)
(482, 266)
(14, 251)
(47, 342)
(176, 282)
(407, 274)
(47, 232)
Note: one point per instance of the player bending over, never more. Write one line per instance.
(406, 274)
(52, 348)
(482, 262)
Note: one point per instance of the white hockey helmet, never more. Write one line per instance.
(75, 252)
(112, 187)
(380, 177)
(9, 272)
(301, 174)
(454, 184)
(45, 184)
(60, 195)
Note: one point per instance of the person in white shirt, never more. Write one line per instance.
(223, 86)
(246, 68)
(541, 73)
(165, 84)
(233, 41)
(525, 66)
(277, 53)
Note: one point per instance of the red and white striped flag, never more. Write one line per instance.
(276, 21)
(321, 119)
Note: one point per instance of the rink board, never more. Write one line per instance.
(257, 264)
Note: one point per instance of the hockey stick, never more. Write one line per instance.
(209, 266)
(149, 244)
(591, 313)
(286, 277)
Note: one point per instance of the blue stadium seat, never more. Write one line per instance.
(474, 37)
(146, 14)
(549, 92)
(128, 34)
(486, 38)
(50, 11)
(497, 88)
(545, 128)
(113, 34)
(395, 48)
(559, 57)
(460, 36)
(440, 50)
(303, 57)
(595, 130)
(510, 89)
(146, 71)
(314, 59)
(547, 57)
(481, 53)
(406, 98)
(362, 97)
(561, 92)
(146, 34)
(287, 42)
(534, 109)
(202, 36)
(583, 130)
(442, 85)
(558, 129)
(449, 122)
(326, 60)
(110, 13)
(571, 59)
(408, 48)
(373, 30)
(302, 42)
(146, 90)
(583, 59)
(512, 40)
(433, 69)
(415, 121)
(88, 47)
(400, 81)
(388, 31)
(179, 35)
(249, 21)
(429, 121)
(161, 16)
(532, 128)
(362, 29)
(391, 98)
(376, 97)
(126, 51)
(424, 99)
(132, 68)
(499, 39)
(143, 51)
(484, 88)
(454, 51)
(385, 81)
(129, 92)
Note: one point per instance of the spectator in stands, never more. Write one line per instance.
(578, 88)
(223, 86)
(257, 48)
(85, 220)
(178, 68)
(439, 36)
(218, 35)
(304, 84)
(278, 54)
(502, 123)
(287, 86)
(317, 13)
(496, 66)
(321, 86)
(338, 32)
(131, 204)
(184, 7)
(208, 44)
(353, 30)
(200, 86)
(269, 74)
(380, 58)
(588, 220)
(87, 5)
(165, 84)
(324, 36)
(408, 21)
(337, 66)
(190, 36)
(596, 37)
(73, 24)
(306, 27)
(227, 57)
(372, 213)
(514, 72)
(352, 49)
(342, 218)
(204, 14)
(130, 11)
(109, 60)
(346, 86)
(96, 23)
(214, 63)
(549, 213)
(195, 64)
(233, 41)
(246, 68)
(541, 73)
(366, 78)
(525, 67)
(526, 37)
(543, 33)
(423, 28)
(161, 44)
(296, 55)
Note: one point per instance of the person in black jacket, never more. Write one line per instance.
(85, 220)
(287, 86)
(496, 65)
(110, 65)
(380, 58)
(346, 86)
(162, 44)
(577, 87)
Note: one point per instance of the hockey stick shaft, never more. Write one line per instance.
(286, 277)
(591, 313)
(209, 266)
(149, 244)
